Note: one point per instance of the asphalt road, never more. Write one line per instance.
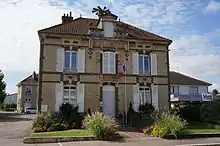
(14, 127)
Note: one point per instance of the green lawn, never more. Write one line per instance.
(199, 128)
(200, 131)
(61, 133)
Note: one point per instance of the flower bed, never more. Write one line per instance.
(165, 124)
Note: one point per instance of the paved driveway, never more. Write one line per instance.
(14, 127)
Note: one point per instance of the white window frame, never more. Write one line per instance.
(144, 73)
(173, 90)
(69, 90)
(69, 68)
(145, 90)
(192, 89)
(111, 66)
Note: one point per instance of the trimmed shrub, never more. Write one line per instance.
(9, 109)
(143, 118)
(130, 115)
(146, 109)
(56, 127)
(40, 129)
(8, 106)
(39, 121)
(13, 106)
(67, 118)
(167, 124)
(210, 112)
(191, 112)
(100, 125)
(70, 115)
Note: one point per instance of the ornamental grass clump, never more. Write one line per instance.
(100, 125)
(168, 124)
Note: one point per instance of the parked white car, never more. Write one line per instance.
(30, 110)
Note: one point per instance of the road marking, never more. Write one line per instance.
(141, 138)
(60, 144)
(203, 144)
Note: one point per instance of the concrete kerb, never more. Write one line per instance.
(193, 136)
(57, 139)
(33, 140)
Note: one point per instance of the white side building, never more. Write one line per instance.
(187, 89)
(11, 99)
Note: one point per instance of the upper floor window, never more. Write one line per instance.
(193, 90)
(28, 90)
(108, 63)
(145, 95)
(70, 61)
(69, 94)
(174, 89)
(144, 64)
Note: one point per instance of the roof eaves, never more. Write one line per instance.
(23, 80)
(202, 82)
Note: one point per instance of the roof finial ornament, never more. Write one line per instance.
(80, 15)
(100, 12)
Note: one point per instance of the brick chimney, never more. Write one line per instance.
(67, 18)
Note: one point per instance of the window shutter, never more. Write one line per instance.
(153, 57)
(81, 60)
(80, 97)
(135, 63)
(101, 62)
(116, 63)
(100, 100)
(136, 101)
(154, 90)
(58, 95)
(105, 62)
(60, 60)
(116, 102)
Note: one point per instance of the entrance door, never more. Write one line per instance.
(108, 100)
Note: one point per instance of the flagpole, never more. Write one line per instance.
(125, 99)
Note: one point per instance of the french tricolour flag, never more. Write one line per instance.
(123, 70)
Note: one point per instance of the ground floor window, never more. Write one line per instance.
(145, 95)
(69, 94)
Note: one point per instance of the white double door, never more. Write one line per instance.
(108, 100)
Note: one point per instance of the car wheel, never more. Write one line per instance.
(28, 112)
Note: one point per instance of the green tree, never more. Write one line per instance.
(215, 92)
(2, 87)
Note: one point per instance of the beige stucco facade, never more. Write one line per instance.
(93, 79)
(94, 52)
(27, 99)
